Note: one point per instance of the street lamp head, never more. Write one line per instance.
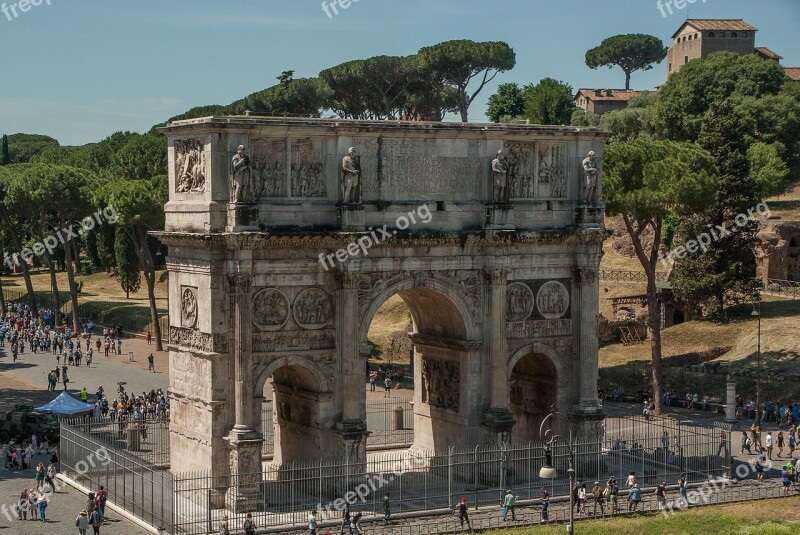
(755, 312)
(547, 471)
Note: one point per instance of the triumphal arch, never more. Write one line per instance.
(286, 236)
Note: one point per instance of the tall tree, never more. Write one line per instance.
(127, 272)
(645, 182)
(140, 208)
(630, 52)
(64, 192)
(549, 102)
(16, 222)
(508, 102)
(461, 61)
(5, 154)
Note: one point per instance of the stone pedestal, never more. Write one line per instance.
(730, 402)
(498, 216)
(351, 217)
(588, 431)
(499, 423)
(243, 496)
(352, 451)
(589, 215)
(242, 216)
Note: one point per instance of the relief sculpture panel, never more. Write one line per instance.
(191, 166)
(552, 170)
(441, 383)
(270, 309)
(268, 168)
(313, 309)
(308, 169)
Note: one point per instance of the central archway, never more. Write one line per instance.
(445, 358)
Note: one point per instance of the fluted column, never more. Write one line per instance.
(498, 418)
(239, 287)
(348, 348)
(586, 279)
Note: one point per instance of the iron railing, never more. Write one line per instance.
(613, 275)
(780, 288)
(280, 497)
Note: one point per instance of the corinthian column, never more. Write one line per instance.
(348, 351)
(498, 417)
(239, 287)
(586, 279)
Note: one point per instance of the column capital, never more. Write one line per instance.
(347, 280)
(239, 283)
(496, 276)
(584, 275)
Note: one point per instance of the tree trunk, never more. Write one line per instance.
(73, 291)
(51, 266)
(139, 238)
(25, 272)
(627, 80)
(2, 294)
(654, 332)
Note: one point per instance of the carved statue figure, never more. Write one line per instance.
(590, 177)
(190, 166)
(352, 177)
(500, 177)
(240, 176)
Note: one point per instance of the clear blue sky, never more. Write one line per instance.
(79, 70)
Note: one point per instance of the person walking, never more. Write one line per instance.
(661, 496)
(95, 520)
(312, 523)
(597, 495)
(387, 386)
(779, 443)
(39, 476)
(224, 529)
(545, 505)
(50, 476)
(346, 521)
(249, 525)
(682, 489)
(509, 505)
(355, 529)
(768, 444)
(82, 522)
(582, 498)
(786, 479)
(149, 338)
(463, 515)
(100, 497)
(151, 363)
(43, 507)
(634, 497)
(746, 443)
(386, 511)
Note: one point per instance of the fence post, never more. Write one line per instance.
(450, 475)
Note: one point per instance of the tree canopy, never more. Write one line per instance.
(630, 52)
(549, 102)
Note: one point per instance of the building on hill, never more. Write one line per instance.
(600, 101)
(697, 38)
(793, 73)
(765, 53)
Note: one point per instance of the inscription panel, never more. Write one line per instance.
(538, 328)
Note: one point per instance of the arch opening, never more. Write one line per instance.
(534, 389)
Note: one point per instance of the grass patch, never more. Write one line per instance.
(776, 516)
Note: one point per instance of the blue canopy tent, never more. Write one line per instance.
(66, 404)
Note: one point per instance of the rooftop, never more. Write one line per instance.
(793, 73)
(767, 53)
(618, 95)
(713, 25)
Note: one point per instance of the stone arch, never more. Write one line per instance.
(457, 323)
(301, 408)
(536, 381)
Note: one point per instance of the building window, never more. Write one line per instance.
(695, 36)
(685, 60)
(711, 34)
(733, 34)
(670, 67)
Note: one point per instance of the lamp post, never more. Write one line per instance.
(548, 471)
(757, 313)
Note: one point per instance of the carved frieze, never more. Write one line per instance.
(195, 340)
(552, 300)
(519, 302)
(520, 169)
(269, 168)
(191, 166)
(538, 328)
(441, 383)
(308, 170)
(270, 309)
(188, 307)
(495, 276)
(552, 169)
(293, 341)
(312, 309)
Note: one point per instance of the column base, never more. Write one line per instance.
(588, 407)
(499, 423)
(244, 494)
(589, 214)
(351, 217)
(498, 216)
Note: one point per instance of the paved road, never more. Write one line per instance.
(25, 382)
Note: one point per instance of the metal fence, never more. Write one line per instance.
(390, 422)
(88, 457)
(146, 439)
(781, 288)
(281, 496)
(613, 275)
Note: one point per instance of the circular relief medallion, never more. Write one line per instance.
(552, 300)
(519, 302)
(189, 307)
(312, 309)
(270, 309)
